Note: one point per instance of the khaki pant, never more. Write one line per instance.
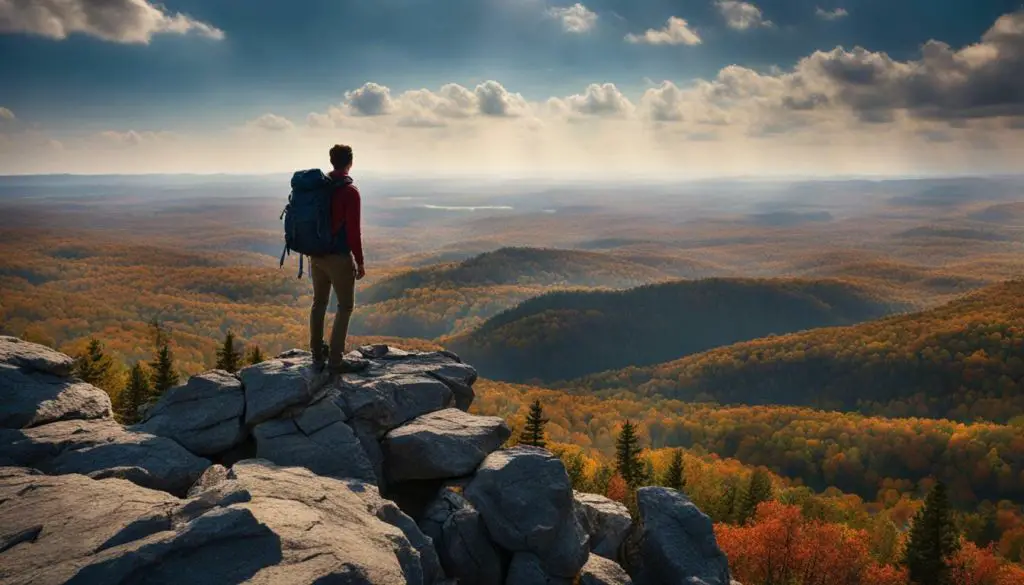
(337, 271)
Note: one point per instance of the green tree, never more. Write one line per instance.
(165, 376)
(627, 455)
(759, 490)
(134, 396)
(575, 467)
(229, 358)
(94, 366)
(674, 477)
(255, 356)
(725, 508)
(933, 540)
(533, 432)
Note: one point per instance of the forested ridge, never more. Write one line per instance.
(566, 334)
(963, 361)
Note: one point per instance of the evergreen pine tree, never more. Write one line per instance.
(674, 477)
(760, 490)
(165, 376)
(255, 356)
(94, 366)
(725, 509)
(229, 358)
(533, 432)
(134, 396)
(627, 455)
(933, 540)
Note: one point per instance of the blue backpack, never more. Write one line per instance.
(307, 217)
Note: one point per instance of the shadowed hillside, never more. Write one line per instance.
(964, 360)
(567, 334)
(519, 266)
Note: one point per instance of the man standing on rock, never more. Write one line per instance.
(339, 271)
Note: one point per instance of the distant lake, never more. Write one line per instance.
(469, 208)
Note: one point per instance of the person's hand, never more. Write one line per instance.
(360, 272)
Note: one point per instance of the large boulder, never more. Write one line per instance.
(444, 366)
(204, 415)
(461, 540)
(316, 438)
(526, 501)
(444, 444)
(384, 402)
(606, 521)
(274, 385)
(33, 357)
(101, 449)
(602, 571)
(263, 524)
(527, 569)
(673, 542)
(35, 388)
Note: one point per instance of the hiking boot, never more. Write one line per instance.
(320, 357)
(348, 366)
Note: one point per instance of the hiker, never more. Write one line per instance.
(321, 222)
(339, 269)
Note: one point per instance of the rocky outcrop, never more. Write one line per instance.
(275, 476)
(525, 498)
(606, 521)
(673, 542)
(601, 571)
(442, 444)
(461, 539)
(316, 438)
(262, 523)
(36, 388)
(204, 415)
(101, 449)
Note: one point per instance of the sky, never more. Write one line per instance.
(674, 88)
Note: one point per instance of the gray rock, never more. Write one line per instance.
(212, 477)
(273, 386)
(318, 439)
(101, 449)
(602, 571)
(33, 357)
(443, 444)
(204, 415)
(30, 398)
(264, 524)
(673, 542)
(387, 401)
(526, 569)
(443, 366)
(467, 553)
(606, 521)
(526, 502)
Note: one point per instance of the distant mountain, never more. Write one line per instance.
(458, 296)
(569, 334)
(519, 267)
(963, 360)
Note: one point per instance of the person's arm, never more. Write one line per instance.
(353, 228)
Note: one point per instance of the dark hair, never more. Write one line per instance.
(341, 156)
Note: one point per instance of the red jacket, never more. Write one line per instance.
(345, 211)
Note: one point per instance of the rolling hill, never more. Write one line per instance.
(519, 267)
(569, 334)
(963, 360)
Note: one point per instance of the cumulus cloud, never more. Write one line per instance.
(371, 99)
(575, 19)
(831, 14)
(121, 21)
(597, 100)
(6, 114)
(271, 122)
(741, 15)
(676, 32)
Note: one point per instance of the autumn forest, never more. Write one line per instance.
(822, 367)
